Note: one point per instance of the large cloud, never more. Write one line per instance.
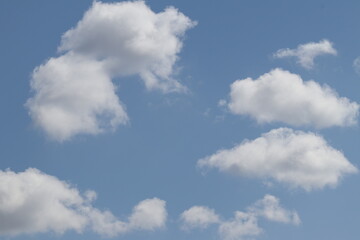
(33, 202)
(74, 94)
(295, 158)
(244, 224)
(281, 96)
(306, 53)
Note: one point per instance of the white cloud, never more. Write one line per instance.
(281, 96)
(356, 65)
(74, 94)
(295, 158)
(244, 225)
(306, 53)
(269, 208)
(199, 217)
(34, 202)
(149, 214)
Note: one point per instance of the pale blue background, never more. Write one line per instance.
(155, 156)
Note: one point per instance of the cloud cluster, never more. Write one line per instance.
(244, 224)
(306, 53)
(281, 96)
(34, 202)
(74, 93)
(295, 158)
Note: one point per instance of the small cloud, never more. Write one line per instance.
(306, 53)
(356, 65)
(199, 217)
(222, 103)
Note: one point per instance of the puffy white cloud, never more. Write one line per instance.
(295, 158)
(34, 202)
(306, 53)
(199, 217)
(74, 94)
(244, 225)
(131, 39)
(281, 96)
(149, 214)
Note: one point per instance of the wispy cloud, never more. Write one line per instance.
(306, 53)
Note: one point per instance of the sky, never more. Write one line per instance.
(229, 120)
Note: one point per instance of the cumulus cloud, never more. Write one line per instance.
(74, 93)
(295, 158)
(306, 53)
(269, 208)
(34, 202)
(281, 96)
(199, 217)
(244, 225)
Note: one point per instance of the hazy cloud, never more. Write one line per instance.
(356, 65)
(306, 53)
(34, 202)
(281, 96)
(295, 158)
(74, 93)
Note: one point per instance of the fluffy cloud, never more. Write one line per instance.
(74, 94)
(244, 224)
(269, 208)
(34, 202)
(306, 53)
(281, 96)
(295, 158)
(199, 217)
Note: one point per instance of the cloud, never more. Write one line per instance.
(34, 202)
(356, 65)
(306, 53)
(269, 208)
(295, 158)
(244, 225)
(74, 93)
(199, 217)
(281, 96)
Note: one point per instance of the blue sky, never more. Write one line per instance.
(295, 177)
